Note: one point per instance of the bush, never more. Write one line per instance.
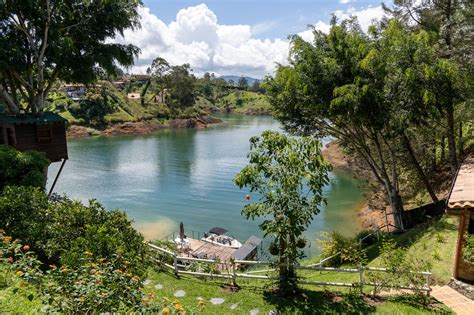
(368, 240)
(22, 168)
(349, 249)
(61, 231)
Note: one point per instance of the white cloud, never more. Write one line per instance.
(366, 17)
(344, 1)
(197, 38)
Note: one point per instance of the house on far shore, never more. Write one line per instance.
(43, 133)
(461, 204)
(75, 91)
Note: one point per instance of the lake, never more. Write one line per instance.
(186, 175)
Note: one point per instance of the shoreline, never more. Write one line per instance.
(143, 127)
(370, 214)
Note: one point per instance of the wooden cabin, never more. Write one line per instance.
(45, 133)
(461, 204)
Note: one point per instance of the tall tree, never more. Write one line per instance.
(46, 40)
(181, 86)
(289, 174)
(243, 83)
(159, 71)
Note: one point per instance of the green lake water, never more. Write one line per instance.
(186, 175)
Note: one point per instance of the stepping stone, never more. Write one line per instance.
(254, 311)
(234, 306)
(179, 293)
(217, 301)
(147, 282)
(273, 313)
(159, 286)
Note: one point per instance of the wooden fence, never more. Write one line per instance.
(231, 271)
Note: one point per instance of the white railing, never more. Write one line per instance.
(230, 271)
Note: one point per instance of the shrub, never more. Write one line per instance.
(402, 270)
(22, 168)
(61, 231)
(23, 211)
(349, 248)
(369, 238)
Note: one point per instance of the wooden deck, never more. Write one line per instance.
(198, 248)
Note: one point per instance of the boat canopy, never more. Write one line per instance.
(218, 231)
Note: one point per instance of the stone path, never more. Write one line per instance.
(217, 301)
(460, 304)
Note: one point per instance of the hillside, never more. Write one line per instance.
(236, 79)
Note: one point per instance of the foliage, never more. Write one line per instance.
(382, 95)
(48, 40)
(95, 285)
(350, 249)
(468, 248)
(403, 270)
(22, 168)
(61, 231)
(288, 174)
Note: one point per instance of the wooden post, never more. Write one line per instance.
(361, 282)
(428, 280)
(386, 219)
(234, 274)
(175, 264)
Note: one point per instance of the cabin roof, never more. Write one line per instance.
(462, 193)
(30, 119)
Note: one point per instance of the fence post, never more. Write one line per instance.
(234, 274)
(361, 281)
(378, 234)
(175, 264)
(428, 280)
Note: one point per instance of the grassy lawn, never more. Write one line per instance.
(256, 294)
(433, 242)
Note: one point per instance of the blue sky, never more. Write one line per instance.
(277, 18)
(230, 37)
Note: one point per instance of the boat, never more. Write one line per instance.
(217, 236)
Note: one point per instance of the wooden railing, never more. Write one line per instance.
(230, 270)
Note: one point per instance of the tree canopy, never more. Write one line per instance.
(44, 40)
(376, 93)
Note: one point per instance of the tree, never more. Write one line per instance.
(288, 174)
(45, 40)
(243, 83)
(181, 86)
(340, 86)
(159, 70)
(451, 22)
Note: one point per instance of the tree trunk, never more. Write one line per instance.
(396, 205)
(282, 265)
(418, 168)
(451, 135)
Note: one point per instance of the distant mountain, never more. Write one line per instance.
(236, 79)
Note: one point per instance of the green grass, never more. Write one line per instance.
(17, 297)
(245, 101)
(421, 243)
(258, 294)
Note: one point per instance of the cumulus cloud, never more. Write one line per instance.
(197, 38)
(344, 1)
(366, 17)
